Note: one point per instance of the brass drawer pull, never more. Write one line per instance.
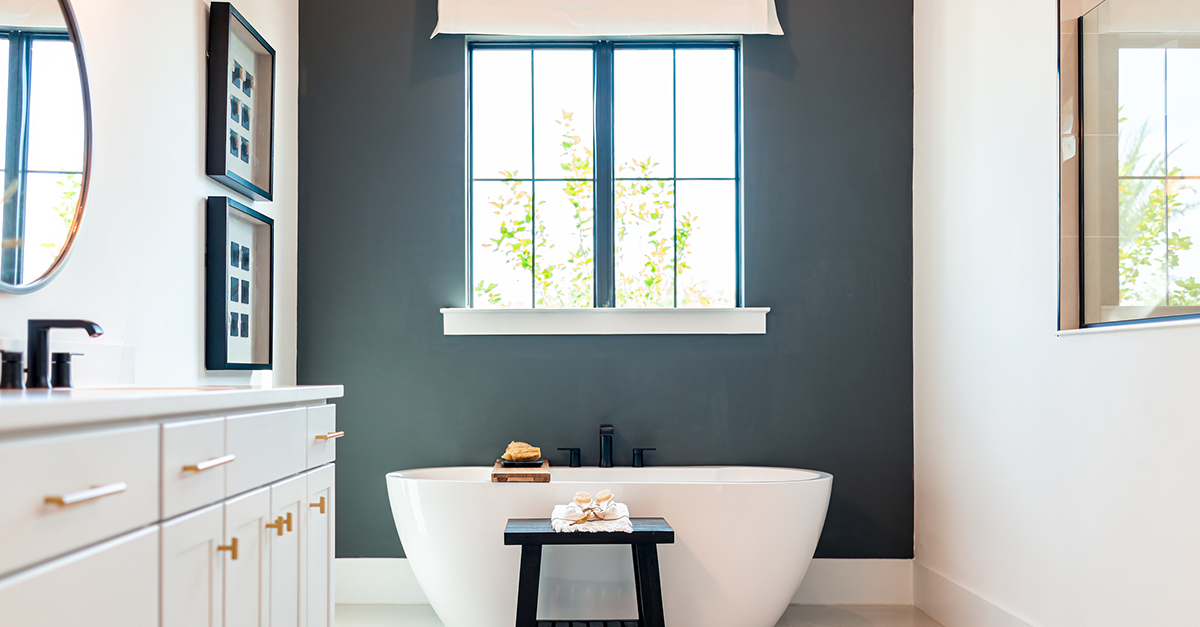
(280, 523)
(92, 493)
(320, 504)
(212, 463)
(231, 547)
(332, 435)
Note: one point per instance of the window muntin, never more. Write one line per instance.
(536, 153)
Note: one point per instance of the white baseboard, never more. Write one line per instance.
(856, 582)
(376, 581)
(953, 605)
(390, 581)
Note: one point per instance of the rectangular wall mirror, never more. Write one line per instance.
(1130, 167)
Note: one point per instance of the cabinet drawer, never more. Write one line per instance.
(322, 435)
(106, 482)
(268, 446)
(114, 584)
(193, 465)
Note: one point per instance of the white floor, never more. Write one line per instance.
(796, 616)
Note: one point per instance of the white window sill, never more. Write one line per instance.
(604, 321)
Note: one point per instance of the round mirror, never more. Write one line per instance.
(46, 131)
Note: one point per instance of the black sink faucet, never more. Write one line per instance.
(38, 347)
(606, 435)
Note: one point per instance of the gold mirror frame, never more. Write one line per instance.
(40, 282)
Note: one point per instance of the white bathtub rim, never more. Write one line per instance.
(820, 476)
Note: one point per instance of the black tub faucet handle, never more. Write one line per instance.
(638, 458)
(574, 456)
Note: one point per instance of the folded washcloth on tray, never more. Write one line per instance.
(602, 514)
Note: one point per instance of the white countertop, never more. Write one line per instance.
(22, 410)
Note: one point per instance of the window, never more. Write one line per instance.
(43, 149)
(604, 175)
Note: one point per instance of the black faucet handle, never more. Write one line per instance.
(60, 369)
(639, 458)
(574, 456)
(12, 366)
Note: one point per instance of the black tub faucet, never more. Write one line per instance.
(606, 435)
(574, 456)
(38, 347)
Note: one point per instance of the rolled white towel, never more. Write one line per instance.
(615, 518)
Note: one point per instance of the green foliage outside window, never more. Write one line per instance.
(1149, 255)
(646, 274)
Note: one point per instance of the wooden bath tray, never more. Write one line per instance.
(501, 474)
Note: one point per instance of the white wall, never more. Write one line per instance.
(1057, 478)
(137, 269)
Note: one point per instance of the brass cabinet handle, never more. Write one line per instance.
(280, 523)
(231, 547)
(212, 463)
(92, 493)
(320, 504)
(332, 435)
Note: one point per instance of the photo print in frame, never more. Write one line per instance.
(241, 105)
(239, 286)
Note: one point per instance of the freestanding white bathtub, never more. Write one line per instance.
(744, 537)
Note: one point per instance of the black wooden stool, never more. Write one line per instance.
(533, 533)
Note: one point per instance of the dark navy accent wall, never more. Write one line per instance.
(828, 239)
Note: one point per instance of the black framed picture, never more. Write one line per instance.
(239, 287)
(241, 105)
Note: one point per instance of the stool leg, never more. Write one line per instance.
(527, 585)
(651, 608)
(637, 583)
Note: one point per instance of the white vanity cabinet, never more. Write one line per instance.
(186, 511)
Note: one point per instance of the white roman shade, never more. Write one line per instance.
(607, 18)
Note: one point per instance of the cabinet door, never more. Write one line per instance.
(247, 578)
(289, 500)
(319, 537)
(113, 584)
(193, 569)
